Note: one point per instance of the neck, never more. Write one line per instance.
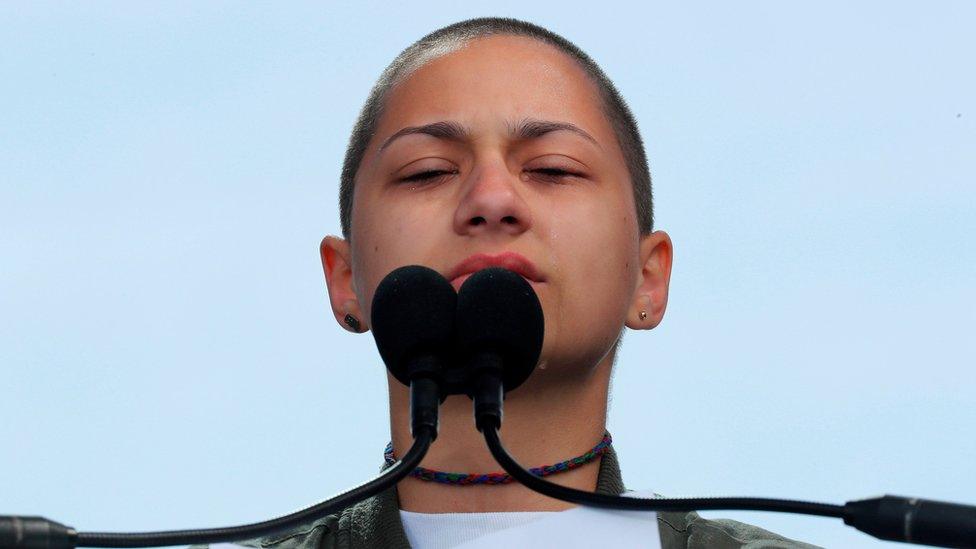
(552, 417)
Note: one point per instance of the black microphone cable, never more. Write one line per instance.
(37, 532)
(413, 322)
(892, 518)
(581, 497)
(391, 476)
(500, 327)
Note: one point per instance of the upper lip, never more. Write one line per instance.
(509, 260)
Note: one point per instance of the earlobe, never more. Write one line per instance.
(651, 294)
(337, 265)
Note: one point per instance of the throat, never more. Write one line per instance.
(544, 425)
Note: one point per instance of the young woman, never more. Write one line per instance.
(494, 142)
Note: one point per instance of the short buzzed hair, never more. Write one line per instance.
(456, 36)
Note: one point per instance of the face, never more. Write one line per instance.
(500, 154)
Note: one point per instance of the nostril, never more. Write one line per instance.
(478, 221)
(509, 220)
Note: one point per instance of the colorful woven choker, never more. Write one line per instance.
(464, 479)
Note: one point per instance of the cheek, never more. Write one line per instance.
(385, 238)
(604, 276)
(601, 250)
(596, 244)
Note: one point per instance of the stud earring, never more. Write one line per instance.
(642, 315)
(353, 323)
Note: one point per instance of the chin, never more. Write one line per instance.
(570, 363)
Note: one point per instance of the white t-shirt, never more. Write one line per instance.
(578, 527)
(449, 530)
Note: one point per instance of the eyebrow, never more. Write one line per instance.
(449, 130)
(531, 128)
(527, 128)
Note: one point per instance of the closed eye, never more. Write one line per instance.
(551, 171)
(426, 175)
(553, 174)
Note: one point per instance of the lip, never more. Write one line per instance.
(512, 261)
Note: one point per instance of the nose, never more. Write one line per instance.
(491, 204)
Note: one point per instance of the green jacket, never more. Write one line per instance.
(375, 522)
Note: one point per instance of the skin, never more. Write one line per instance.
(559, 199)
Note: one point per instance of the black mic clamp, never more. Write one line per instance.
(913, 520)
(35, 533)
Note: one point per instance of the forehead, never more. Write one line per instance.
(494, 79)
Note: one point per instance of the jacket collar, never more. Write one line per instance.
(375, 522)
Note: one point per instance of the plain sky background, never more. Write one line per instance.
(167, 171)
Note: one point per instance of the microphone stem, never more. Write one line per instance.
(424, 406)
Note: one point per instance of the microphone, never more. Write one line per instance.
(500, 328)
(412, 318)
(413, 315)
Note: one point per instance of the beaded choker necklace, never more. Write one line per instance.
(464, 479)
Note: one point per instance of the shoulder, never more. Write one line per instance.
(319, 534)
(374, 522)
(681, 530)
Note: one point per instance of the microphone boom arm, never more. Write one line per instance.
(893, 518)
(592, 499)
(37, 532)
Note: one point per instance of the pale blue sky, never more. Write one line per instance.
(167, 172)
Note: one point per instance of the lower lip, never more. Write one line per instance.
(457, 282)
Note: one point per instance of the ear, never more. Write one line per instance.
(338, 278)
(651, 295)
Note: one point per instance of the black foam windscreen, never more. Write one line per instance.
(412, 318)
(498, 312)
